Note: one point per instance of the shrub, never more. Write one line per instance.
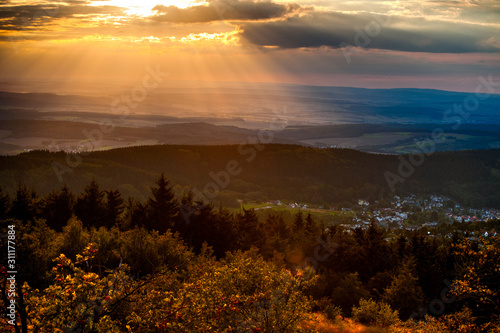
(333, 312)
(348, 293)
(374, 313)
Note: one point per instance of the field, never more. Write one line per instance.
(327, 216)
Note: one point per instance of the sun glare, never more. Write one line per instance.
(144, 7)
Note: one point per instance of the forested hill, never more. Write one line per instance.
(263, 172)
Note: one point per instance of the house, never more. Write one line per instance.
(410, 202)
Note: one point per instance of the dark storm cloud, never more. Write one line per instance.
(371, 31)
(223, 10)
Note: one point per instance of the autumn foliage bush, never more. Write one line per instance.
(370, 312)
(242, 293)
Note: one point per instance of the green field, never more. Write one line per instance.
(326, 216)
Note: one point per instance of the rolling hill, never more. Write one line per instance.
(252, 171)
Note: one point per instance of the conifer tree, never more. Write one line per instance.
(249, 230)
(378, 255)
(276, 225)
(276, 235)
(59, 208)
(311, 226)
(4, 204)
(405, 294)
(162, 206)
(137, 213)
(26, 205)
(298, 222)
(89, 206)
(114, 207)
(225, 232)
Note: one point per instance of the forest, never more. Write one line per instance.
(92, 261)
(261, 172)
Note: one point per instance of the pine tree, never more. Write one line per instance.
(114, 207)
(401, 247)
(65, 204)
(249, 230)
(298, 222)
(90, 207)
(225, 232)
(276, 236)
(26, 205)
(188, 209)
(311, 226)
(200, 223)
(4, 204)
(405, 294)
(378, 254)
(136, 214)
(59, 208)
(162, 206)
(276, 225)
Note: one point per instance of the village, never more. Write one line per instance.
(405, 213)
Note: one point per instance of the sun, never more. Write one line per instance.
(144, 7)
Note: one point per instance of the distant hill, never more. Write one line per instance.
(372, 120)
(74, 136)
(252, 171)
(22, 133)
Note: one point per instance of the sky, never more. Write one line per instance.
(373, 44)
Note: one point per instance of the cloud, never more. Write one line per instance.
(371, 31)
(223, 10)
(28, 17)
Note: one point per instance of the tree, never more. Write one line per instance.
(311, 228)
(114, 207)
(225, 232)
(80, 300)
(4, 204)
(162, 206)
(298, 222)
(34, 246)
(26, 205)
(109, 243)
(276, 235)
(377, 254)
(404, 294)
(400, 247)
(344, 254)
(430, 263)
(74, 238)
(59, 208)
(135, 215)
(370, 313)
(90, 207)
(275, 224)
(242, 293)
(348, 293)
(478, 282)
(379, 283)
(201, 223)
(249, 230)
(146, 251)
